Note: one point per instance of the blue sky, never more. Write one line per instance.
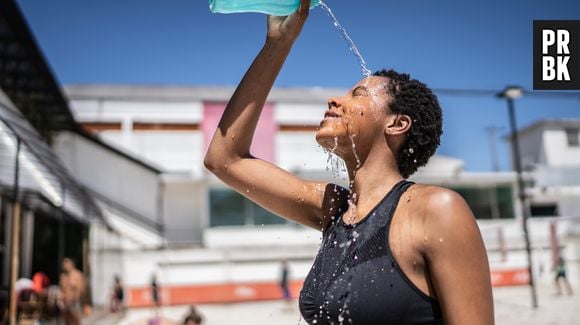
(446, 44)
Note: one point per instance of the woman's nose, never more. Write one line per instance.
(332, 102)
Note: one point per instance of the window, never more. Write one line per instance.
(573, 137)
(544, 210)
(489, 202)
(229, 208)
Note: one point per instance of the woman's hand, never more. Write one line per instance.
(287, 29)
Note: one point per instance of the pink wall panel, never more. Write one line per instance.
(263, 143)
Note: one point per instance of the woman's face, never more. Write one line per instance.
(356, 119)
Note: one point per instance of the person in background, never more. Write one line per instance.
(117, 295)
(561, 276)
(155, 295)
(284, 286)
(72, 286)
(193, 317)
(41, 282)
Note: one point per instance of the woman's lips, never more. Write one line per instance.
(330, 113)
(328, 116)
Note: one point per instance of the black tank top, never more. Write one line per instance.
(356, 280)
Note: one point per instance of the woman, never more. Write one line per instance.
(420, 261)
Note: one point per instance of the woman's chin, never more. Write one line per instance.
(326, 139)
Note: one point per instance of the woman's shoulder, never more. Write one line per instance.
(434, 196)
(441, 207)
(444, 213)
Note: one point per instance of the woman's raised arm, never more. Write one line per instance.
(228, 156)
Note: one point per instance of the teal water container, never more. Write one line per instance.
(269, 7)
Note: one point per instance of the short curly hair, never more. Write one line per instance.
(414, 99)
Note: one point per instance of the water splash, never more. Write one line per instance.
(358, 162)
(365, 70)
(334, 163)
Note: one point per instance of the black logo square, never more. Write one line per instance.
(556, 54)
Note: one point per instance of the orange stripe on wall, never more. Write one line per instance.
(214, 293)
(511, 277)
(241, 292)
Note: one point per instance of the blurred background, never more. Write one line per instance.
(107, 108)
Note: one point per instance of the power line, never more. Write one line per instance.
(493, 93)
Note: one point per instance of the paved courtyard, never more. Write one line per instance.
(512, 306)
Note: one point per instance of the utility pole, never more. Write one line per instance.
(510, 94)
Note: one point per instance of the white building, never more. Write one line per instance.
(551, 153)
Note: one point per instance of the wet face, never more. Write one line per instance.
(355, 119)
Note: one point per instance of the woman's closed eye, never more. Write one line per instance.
(359, 91)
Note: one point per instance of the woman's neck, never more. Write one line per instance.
(375, 173)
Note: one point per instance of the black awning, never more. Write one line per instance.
(26, 78)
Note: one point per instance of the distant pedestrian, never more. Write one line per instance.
(284, 285)
(72, 287)
(155, 291)
(561, 276)
(117, 295)
(193, 317)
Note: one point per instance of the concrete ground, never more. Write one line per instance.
(512, 306)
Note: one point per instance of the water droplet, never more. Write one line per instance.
(358, 162)
(441, 239)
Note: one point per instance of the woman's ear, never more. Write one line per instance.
(398, 124)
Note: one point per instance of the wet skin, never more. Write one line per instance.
(433, 236)
(364, 107)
